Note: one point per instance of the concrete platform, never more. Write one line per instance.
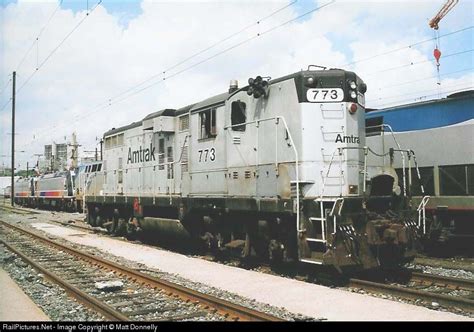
(296, 296)
(15, 305)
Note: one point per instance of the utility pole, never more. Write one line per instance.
(13, 140)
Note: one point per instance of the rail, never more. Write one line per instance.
(224, 307)
(414, 294)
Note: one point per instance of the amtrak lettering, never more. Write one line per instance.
(141, 155)
(347, 139)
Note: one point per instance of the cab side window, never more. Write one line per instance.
(238, 115)
(207, 124)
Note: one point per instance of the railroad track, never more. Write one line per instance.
(13, 209)
(131, 295)
(427, 287)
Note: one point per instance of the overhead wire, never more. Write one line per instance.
(111, 102)
(424, 79)
(5, 86)
(414, 93)
(413, 99)
(36, 39)
(115, 100)
(57, 47)
(226, 50)
(416, 63)
(406, 47)
(219, 42)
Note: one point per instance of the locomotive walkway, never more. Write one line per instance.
(296, 296)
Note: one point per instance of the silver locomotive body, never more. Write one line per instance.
(275, 169)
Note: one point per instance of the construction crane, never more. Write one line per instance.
(442, 13)
(434, 25)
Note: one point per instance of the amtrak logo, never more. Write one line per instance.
(347, 139)
(141, 155)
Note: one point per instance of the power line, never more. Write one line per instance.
(414, 93)
(58, 46)
(111, 102)
(5, 105)
(417, 63)
(36, 40)
(405, 47)
(6, 86)
(163, 72)
(425, 96)
(226, 50)
(424, 79)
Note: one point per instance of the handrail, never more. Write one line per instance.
(422, 211)
(340, 149)
(290, 138)
(338, 212)
(327, 173)
(383, 125)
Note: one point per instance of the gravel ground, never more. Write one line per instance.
(453, 263)
(250, 303)
(430, 305)
(453, 273)
(280, 312)
(52, 299)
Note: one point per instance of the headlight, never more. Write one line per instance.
(353, 94)
(352, 85)
(362, 88)
(310, 81)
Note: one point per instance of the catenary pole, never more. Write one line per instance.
(12, 191)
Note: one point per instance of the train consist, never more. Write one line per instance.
(446, 169)
(63, 190)
(53, 190)
(278, 169)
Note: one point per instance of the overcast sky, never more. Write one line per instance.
(80, 85)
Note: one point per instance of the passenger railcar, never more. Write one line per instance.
(442, 134)
(83, 179)
(55, 190)
(276, 169)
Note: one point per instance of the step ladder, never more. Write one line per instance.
(333, 212)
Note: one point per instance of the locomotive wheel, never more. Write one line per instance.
(98, 221)
(131, 228)
(120, 227)
(90, 218)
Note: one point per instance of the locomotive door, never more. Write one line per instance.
(207, 151)
(242, 145)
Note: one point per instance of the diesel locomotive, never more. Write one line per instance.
(277, 169)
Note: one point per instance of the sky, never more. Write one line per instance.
(90, 65)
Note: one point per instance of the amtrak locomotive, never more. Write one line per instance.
(277, 169)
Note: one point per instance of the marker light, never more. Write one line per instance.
(353, 108)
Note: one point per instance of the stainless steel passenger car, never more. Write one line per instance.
(441, 132)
